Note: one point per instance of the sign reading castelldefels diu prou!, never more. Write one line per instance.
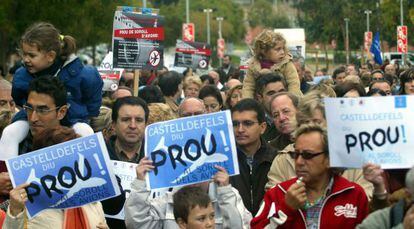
(379, 130)
(66, 175)
(184, 151)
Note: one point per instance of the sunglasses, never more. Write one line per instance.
(307, 155)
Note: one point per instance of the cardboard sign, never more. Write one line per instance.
(371, 129)
(184, 151)
(111, 79)
(192, 54)
(188, 32)
(367, 41)
(67, 175)
(126, 172)
(402, 39)
(137, 39)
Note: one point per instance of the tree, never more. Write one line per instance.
(264, 14)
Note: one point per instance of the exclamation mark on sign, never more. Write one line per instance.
(403, 133)
(223, 137)
(99, 163)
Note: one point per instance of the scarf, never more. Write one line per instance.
(75, 218)
(266, 64)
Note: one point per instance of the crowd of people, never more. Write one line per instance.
(279, 124)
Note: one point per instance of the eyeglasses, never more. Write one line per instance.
(192, 114)
(39, 110)
(3, 102)
(307, 155)
(245, 123)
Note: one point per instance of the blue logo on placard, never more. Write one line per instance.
(400, 102)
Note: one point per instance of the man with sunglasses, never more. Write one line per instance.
(255, 156)
(382, 85)
(318, 197)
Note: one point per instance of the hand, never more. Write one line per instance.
(18, 197)
(102, 225)
(372, 173)
(295, 196)
(5, 183)
(221, 177)
(144, 166)
(409, 218)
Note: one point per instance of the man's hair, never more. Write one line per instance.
(338, 71)
(168, 83)
(265, 79)
(129, 100)
(50, 86)
(186, 199)
(122, 88)
(180, 107)
(151, 94)
(314, 127)
(5, 85)
(348, 86)
(378, 81)
(250, 105)
(377, 71)
(292, 97)
(409, 181)
(227, 55)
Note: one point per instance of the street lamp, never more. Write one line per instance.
(346, 40)
(208, 11)
(367, 12)
(187, 11)
(220, 20)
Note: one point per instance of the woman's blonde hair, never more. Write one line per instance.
(265, 41)
(192, 80)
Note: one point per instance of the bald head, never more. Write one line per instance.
(191, 106)
(232, 83)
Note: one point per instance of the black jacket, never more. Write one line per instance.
(114, 205)
(251, 183)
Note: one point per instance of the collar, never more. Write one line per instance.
(262, 154)
(52, 70)
(120, 154)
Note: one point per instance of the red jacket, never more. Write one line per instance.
(345, 207)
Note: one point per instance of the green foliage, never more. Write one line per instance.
(232, 28)
(263, 14)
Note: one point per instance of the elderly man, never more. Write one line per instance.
(266, 87)
(191, 106)
(317, 197)
(382, 85)
(284, 106)
(7, 105)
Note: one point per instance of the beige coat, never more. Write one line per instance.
(285, 67)
(283, 169)
(53, 218)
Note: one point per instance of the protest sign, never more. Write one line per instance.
(137, 39)
(126, 172)
(111, 79)
(371, 129)
(184, 151)
(192, 54)
(66, 175)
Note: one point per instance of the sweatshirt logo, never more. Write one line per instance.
(349, 211)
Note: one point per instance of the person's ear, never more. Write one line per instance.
(181, 223)
(51, 56)
(263, 127)
(62, 112)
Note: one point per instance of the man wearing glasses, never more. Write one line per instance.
(317, 197)
(255, 156)
(46, 106)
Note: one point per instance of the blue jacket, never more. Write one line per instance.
(83, 85)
